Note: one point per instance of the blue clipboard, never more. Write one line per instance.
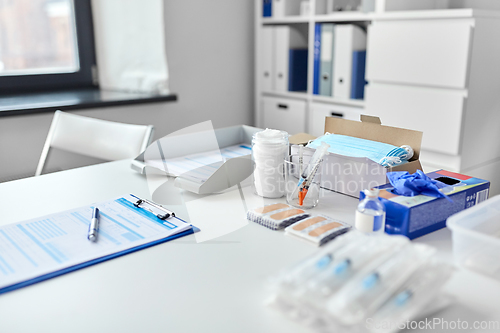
(100, 259)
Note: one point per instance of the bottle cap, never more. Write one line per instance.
(373, 192)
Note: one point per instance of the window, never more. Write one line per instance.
(45, 44)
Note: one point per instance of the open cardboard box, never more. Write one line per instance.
(350, 175)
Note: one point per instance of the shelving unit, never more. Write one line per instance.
(337, 106)
(435, 71)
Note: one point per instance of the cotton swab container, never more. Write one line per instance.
(269, 149)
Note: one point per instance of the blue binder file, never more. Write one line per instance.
(267, 8)
(49, 246)
(317, 52)
(358, 74)
(297, 71)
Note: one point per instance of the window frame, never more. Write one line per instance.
(85, 77)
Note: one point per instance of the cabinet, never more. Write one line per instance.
(436, 71)
(440, 75)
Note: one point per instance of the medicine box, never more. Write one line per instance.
(351, 175)
(476, 237)
(419, 215)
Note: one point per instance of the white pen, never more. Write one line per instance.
(94, 225)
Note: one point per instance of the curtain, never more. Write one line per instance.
(130, 45)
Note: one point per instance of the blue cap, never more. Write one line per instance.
(402, 298)
(324, 261)
(341, 267)
(371, 280)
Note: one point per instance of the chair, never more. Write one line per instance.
(97, 138)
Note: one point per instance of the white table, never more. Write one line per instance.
(183, 286)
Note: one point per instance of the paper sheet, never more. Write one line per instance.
(201, 165)
(37, 247)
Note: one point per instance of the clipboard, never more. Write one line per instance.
(42, 240)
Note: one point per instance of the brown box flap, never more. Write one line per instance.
(369, 129)
(300, 138)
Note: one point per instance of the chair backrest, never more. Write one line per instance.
(97, 138)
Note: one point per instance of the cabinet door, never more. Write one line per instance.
(420, 52)
(319, 111)
(284, 114)
(435, 112)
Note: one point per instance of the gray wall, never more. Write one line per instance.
(211, 64)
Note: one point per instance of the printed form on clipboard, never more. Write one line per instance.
(49, 246)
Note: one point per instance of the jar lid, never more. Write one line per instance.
(271, 136)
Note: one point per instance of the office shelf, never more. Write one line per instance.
(286, 94)
(332, 100)
(286, 20)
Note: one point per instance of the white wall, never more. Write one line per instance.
(211, 65)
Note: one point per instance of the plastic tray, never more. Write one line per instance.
(476, 237)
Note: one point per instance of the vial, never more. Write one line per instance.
(370, 214)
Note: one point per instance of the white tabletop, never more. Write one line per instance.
(218, 285)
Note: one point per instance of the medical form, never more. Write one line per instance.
(37, 247)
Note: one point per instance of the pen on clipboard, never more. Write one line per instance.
(166, 215)
(94, 225)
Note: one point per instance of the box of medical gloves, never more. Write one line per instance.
(421, 214)
(350, 175)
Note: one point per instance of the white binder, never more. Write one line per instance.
(348, 38)
(267, 57)
(286, 38)
(278, 8)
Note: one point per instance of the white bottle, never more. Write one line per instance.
(370, 215)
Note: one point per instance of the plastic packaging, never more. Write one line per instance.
(318, 229)
(276, 216)
(370, 214)
(368, 290)
(359, 276)
(476, 237)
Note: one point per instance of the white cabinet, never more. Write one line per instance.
(436, 113)
(420, 52)
(284, 114)
(440, 75)
(321, 110)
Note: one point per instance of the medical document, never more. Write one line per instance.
(201, 165)
(40, 246)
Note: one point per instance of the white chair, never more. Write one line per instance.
(97, 138)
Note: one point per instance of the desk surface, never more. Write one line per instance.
(214, 286)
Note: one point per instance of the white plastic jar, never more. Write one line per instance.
(269, 150)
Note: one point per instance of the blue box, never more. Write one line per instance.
(419, 215)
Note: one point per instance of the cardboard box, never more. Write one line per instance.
(419, 215)
(350, 175)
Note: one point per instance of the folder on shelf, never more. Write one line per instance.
(358, 75)
(317, 50)
(286, 38)
(278, 8)
(297, 72)
(348, 38)
(267, 56)
(326, 58)
(53, 245)
(267, 6)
